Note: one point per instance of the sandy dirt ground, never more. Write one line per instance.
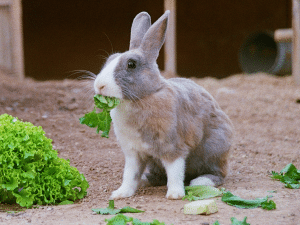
(265, 111)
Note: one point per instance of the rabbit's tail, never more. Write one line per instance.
(208, 180)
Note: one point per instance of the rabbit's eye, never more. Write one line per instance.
(131, 64)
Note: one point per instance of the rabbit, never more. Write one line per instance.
(174, 127)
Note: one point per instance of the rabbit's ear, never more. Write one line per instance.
(155, 37)
(140, 25)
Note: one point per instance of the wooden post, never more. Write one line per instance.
(283, 35)
(296, 41)
(170, 43)
(12, 58)
(18, 51)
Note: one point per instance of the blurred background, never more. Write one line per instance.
(60, 36)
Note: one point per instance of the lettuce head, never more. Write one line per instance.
(30, 170)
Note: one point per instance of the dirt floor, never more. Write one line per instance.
(265, 111)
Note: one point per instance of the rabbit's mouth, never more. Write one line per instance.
(102, 88)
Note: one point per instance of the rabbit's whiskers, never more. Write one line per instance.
(136, 99)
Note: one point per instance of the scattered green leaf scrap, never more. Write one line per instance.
(112, 211)
(101, 120)
(119, 220)
(199, 192)
(124, 220)
(66, 202)
(234, 221)
(268, 205)
(238, 202)
(289, 175)
(30, 170)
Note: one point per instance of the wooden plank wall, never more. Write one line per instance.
(209, 33)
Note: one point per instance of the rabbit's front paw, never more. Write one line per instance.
(122, 193)
(175, 193)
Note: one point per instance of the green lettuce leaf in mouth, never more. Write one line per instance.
(101, 120)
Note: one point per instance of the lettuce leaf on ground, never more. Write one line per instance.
(234, 221)
(124, 220)
(112, 211)
(101, 120)
(194, 193)
(238, 202)
(289, 175)
(199, 192)
(268, 205)
(119, 220)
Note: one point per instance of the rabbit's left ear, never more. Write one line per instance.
(140, 25)
(155, 37)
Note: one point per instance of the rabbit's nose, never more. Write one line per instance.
(99, 88)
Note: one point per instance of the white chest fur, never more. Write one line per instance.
(129, 137)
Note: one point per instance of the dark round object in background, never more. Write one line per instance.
(260, 53)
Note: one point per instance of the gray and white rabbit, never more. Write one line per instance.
(173, 127)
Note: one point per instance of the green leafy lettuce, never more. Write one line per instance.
(199, 192)
(30, 170)
(112, 211)
(101, 120)
(238, 202)
(289, 175)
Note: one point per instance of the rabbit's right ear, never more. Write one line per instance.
(140, 25)
(155, 38)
